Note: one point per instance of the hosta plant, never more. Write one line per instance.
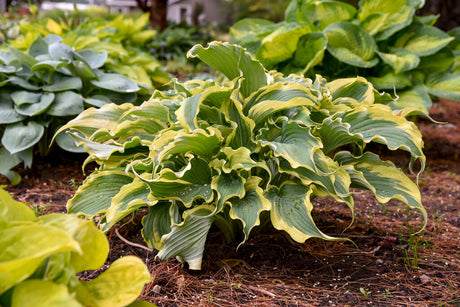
(45, 87)
(255, 148)
(40, 258)
(382, 40)
(125, 39)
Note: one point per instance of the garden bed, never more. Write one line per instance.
(387, 266)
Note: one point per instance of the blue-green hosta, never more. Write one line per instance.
(40, 257)
(44, 88)
(208, 152)
(381, 40)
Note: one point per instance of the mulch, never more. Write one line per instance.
(386, 264)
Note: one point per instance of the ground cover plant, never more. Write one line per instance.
(40, 258)
(254, 149)
(383, 41)
(45, 87)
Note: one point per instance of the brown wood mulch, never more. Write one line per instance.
(385, 266)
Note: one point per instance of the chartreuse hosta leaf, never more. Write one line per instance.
(223, 152)
(40, 258)
(444, 85)
(382, 18)
(323, 13)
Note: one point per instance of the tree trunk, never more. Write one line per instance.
(158, 12)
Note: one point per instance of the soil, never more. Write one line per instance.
(387, 265)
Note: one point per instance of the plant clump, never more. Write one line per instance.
(253, 148)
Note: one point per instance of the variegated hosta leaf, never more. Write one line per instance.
(131, 197)
(95, 195)
(291, 211)
(281, 44)
(374, 123)
(243, 127)
(310, 50)
(413, 101)
(296, 144)
(444, 85)
(192, 182)
(186, 239)
(383, 179)
(357, 88)
(92, 119)
(336, 184)
(247, 207)
(234, 62)
(201, 143)
(323, 13)
(392, 81)
(158, 223)
(228, 185)
(400, 59)
(261, 106)
(423, 40)
(382, 18)
(351, 44)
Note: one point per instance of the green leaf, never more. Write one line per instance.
(413, 101)
(131, 197)
(357, 88)
(296, 144)
(12, 210)
(87, 236)
(281, 44)
(60, 51)
(25, 246)
(23, 58)
(382, 18)
(66, 103)
(67, 142)
(444, 85)
(18, 137)
(400, 60)
(31, 107)
(186, 240)
(247, 207)
(116, 83)
(310, 50)
(95, 195)
(36, 292)
(8, 114)
(119, 286)
(93, 59)
(391, 81)
(234, 62)
(383, 179)
(64, 84)
(291, 211)
(324, 13)
(158, 223)
(48, 65)
(193, 182)
(423, 40)
(227, 185)
(247, 26)
(22, 83)
(351, 44)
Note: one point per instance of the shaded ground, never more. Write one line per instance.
(392, 267)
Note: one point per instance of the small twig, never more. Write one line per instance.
(261, 290)
(129, 242)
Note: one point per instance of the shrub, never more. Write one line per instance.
(381, 40)
(40, 257)
(45, 87)
(208, 152)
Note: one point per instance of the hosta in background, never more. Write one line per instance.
(40, 257)
(124, 38)
(381, 40)
(254, 148)
(45, 87)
